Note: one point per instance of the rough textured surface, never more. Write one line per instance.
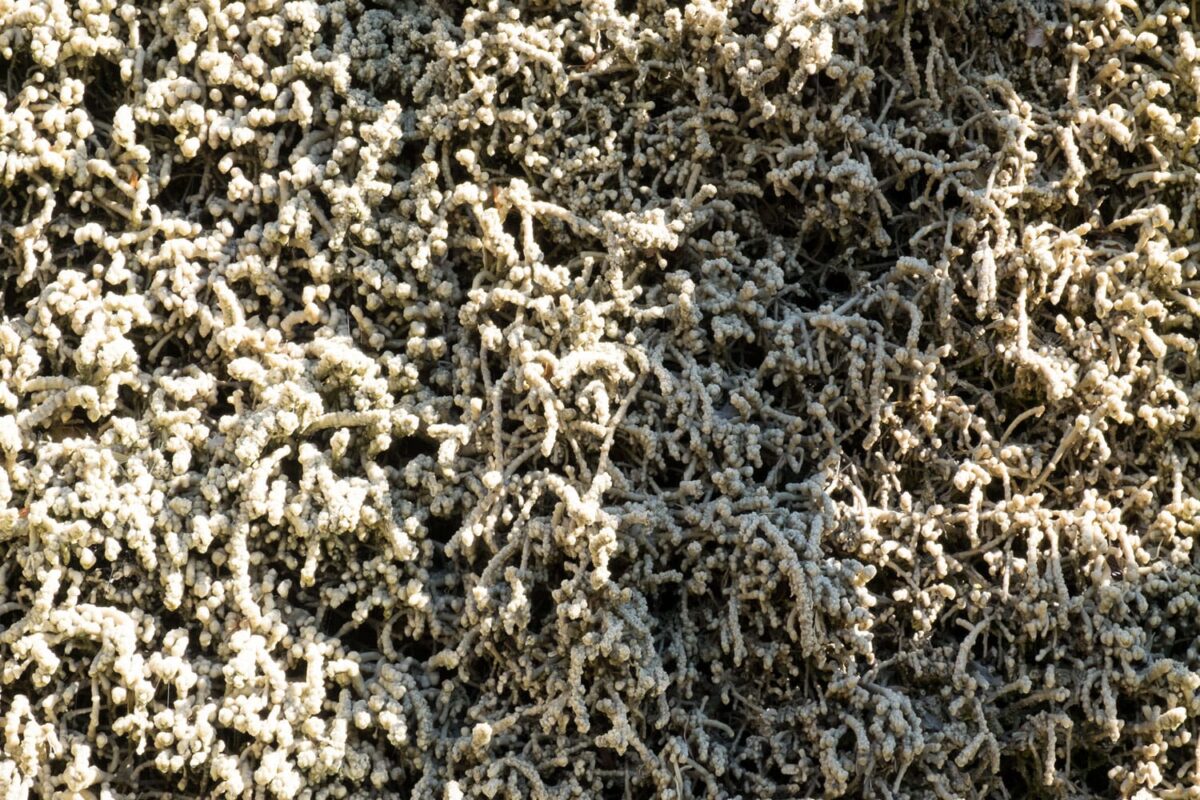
(600, 400)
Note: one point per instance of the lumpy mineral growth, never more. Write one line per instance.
(599, 399)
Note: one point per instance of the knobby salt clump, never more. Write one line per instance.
(595, 399)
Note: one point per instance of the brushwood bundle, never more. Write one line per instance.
(599, 399)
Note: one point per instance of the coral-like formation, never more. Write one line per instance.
(599, 399)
